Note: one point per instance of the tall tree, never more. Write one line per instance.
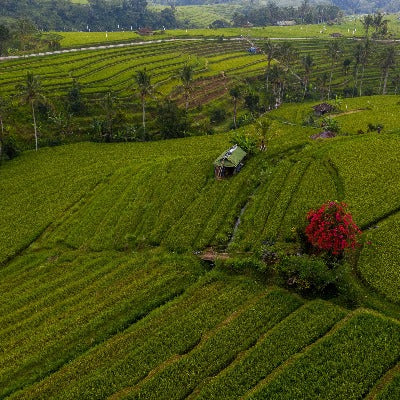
(4, 109)
(388, 61)
(143, 83)
(270, 50)
(186, 77)
(108, 106)
(286, 55)
(365, 55)
(358, 57)
(5, 36)
(75, 102)
(380, 25)
(367, 21)
(308, 64)
(334, 51)
(31, 94)
(236, 93)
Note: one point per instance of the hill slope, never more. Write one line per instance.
(102, 297)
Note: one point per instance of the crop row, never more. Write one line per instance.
(92, 300)
(365, 172)
(174, 329)
(290, 336)
(180, 378)
(315, 188)
(379, 260)
(344, 364)
(32, 181)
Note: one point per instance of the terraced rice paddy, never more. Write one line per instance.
(102, 295)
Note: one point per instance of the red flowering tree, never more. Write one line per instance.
(332, 229)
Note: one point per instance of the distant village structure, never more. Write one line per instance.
(145, 32)
(286, 23)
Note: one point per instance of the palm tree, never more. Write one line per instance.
(388, 62)
(270, 50)
(236, 93)
(367, 22)
(143, 82)
(322, 81)
(108, 106)
(278, 83)
(334, 50)
(286, 54)
(358, 56)
(186, 76)
(365, 53)
(4, 108)
(396, 82)
(380, 25)
(308, 64)
(31, 93)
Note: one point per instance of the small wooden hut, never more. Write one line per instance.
(229, 162)
(322, 109)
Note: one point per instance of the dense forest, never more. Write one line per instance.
(272, 13)
(367, 6)
(97, 15)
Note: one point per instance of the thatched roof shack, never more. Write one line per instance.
(323, 108)
(229, 162)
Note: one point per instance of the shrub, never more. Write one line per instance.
(217, 115)
(330, 124)
(332, 229)
(10, 147)
(246, 141)
(306, 273)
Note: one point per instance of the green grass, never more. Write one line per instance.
(299, 329)
(101, 295)
(172, 330)
(343, 365)
(180, 378)
(379, 259)
(75, 302)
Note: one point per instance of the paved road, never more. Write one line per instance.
(113, 46)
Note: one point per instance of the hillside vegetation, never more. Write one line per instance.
(102, 294)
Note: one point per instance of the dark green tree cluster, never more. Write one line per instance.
(270, 14)
(96, 15)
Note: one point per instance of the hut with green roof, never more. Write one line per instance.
(229, 162)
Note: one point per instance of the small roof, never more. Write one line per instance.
(231, 157)
(323, 135)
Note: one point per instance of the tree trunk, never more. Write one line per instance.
(187, 101)
(268, 70)
(305, 87)
(385, 81)
(330, 83)
(362, 78)
(355, 81)
(234, 112)
(144, 114)
(34, 126)
(1, 138)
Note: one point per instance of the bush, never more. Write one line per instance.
(247, 142)
(332, 229)
(330, 124)
(10, 147)
(217, 115)
(306, 273)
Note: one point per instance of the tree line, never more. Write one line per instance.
(270, 14)
(96, 15)
(288, 77)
